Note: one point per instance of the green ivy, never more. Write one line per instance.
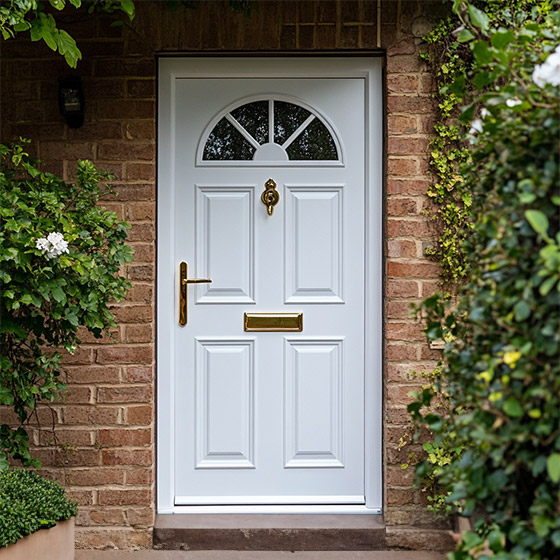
(44, 301)
(29, 503)
(500, 377)
(449, 61)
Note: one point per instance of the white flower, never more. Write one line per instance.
(53, 245)
(549, 71)
(476, 126)
(512, 102)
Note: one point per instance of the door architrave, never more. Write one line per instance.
(367, 66)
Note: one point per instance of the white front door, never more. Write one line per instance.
(262, 416)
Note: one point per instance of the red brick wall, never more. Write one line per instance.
(105, 427)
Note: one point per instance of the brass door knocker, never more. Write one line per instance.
(270, 196)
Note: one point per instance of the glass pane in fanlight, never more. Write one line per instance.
(314, 143)
(287, 118)
(253, 117)
(225, 142)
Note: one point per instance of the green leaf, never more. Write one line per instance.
(482, 79)
(59, 295)
(553, 467)
(521, 310)
(513, 408)
(465, 36)
(76, 3)
(481, 52)
(127, 6)
(57, 4)
(458, 86)
(538, 221)
(478, 17)
(547, 285)
(501, 39)
(68, 48)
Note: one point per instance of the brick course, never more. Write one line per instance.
(105, 426)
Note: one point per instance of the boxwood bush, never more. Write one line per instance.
(29, 503)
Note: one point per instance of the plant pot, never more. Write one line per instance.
(56, 543)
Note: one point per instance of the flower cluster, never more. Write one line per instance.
(549, 71)
(53, 245)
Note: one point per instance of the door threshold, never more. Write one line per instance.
(288, 532)
(353, 509)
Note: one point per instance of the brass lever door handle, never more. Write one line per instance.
(184, 281)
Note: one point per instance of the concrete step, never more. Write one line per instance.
(281, 532)
(255, 555)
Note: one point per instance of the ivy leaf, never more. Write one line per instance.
(478, 18)
(553, 466)
(538, 221)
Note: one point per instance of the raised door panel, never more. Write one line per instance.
(225, 394)
(314, 403)
(314, 244)
(225, 246)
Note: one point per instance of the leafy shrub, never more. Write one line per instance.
(501, 373)
(29, 503)
(60, 258)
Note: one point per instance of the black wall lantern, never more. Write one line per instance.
(71, 100)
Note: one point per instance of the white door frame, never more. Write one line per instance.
(370, 70)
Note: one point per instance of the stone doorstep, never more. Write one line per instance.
(287, 532)
(252, 555)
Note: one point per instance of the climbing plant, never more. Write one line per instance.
(60, 269)
(500, 377)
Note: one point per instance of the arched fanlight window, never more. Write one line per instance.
(270, 130)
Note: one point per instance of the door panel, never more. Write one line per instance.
(314, 244)
(225, 420)
(314, 431)
(225, 245)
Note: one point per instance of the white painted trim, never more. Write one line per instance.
(270, 500)
(370, 69)
(324, 509)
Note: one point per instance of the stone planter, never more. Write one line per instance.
(56, 543)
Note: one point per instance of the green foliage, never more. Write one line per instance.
(501, 373)
(38, 18)
(29, 503)
(449, 60)
(45, 300)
